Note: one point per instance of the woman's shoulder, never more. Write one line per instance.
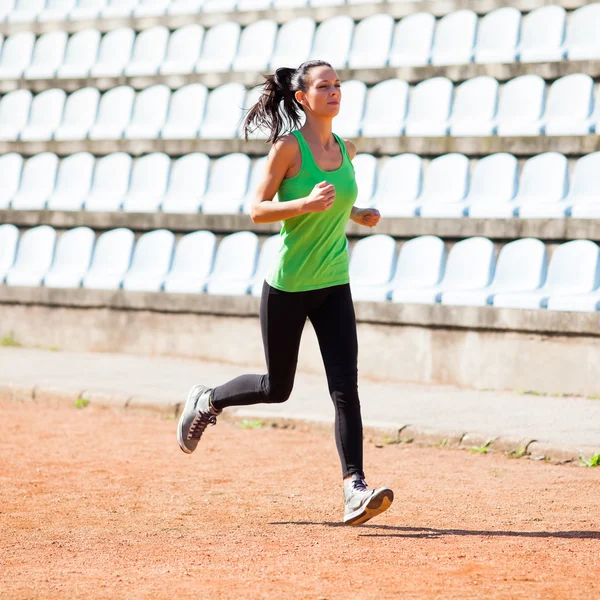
(350, 149)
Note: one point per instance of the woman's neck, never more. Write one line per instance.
(318, 131)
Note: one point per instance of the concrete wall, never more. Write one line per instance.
(471, 347)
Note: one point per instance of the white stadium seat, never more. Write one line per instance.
(187, 184)
(223, 112)
(16, 54)
(521, 267)
(365, 167)
(72, 259)
(494, 181)
(150, 8)
(227, 184)
(420, 265)
(111, 260)
(14, 114)
(584, 193)
(149, 113)
(114, 53)
(5, 7)
(34, 257)
(544, 184)
(470, 266)
(111, 182)
(184, 7)
(56, 10)
(87, 10)
(25, 11)
(73, 182)
(256, 46)
(48, 55)
(589, 302)
(398, 186)
(372, 265)
(413, 39)
(80, 55)
(573, 269)
(429, 108)
(219, 5)
(186, 112)
(332, 41)
(454, 40)
(118, 9)
(79, 115)
(289, 3)
(293, 44)
(569, 106)
(114, 113)
(235, 264)
(183, 50)
(371, 42)
(581, 41)
(253, 4)
(9, 240)
(11, 165)
(148, 52)
(385, 111)
(149, 178)
(45, 116)
(521, 106)
(542, 35)
(152, 257)
(37, 182)
(192, 263)
(445, 186)
(317, 3)
(266, 261)
(348, 122)
(474, 110)
(219, 48)
(498, 36)
(256, 175)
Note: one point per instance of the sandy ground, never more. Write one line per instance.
(101, 503)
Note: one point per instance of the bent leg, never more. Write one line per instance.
(335, 325)
(282, 319)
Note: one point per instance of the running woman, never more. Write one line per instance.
(311, 171)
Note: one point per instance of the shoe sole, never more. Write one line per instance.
(377, 504)
(180, 424)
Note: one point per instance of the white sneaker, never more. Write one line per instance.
(197, 414)
(361, 503)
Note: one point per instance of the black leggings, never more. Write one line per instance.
(282, 318)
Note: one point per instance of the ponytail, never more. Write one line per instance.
(277, 109)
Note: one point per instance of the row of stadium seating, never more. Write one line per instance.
(375, 42)
(421, 273)
(399, 186)
(23, 11)
(390, 109)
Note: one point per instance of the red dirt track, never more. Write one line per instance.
(101, 503)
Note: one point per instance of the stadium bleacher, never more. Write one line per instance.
(508, 99)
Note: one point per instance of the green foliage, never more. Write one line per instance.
(8, 341)
(592, 462)
(81, 402)
(481, 449)
(251, 424)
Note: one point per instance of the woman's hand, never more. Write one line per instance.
(321, 198)
(369, 217)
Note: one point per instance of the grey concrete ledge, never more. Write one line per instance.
(448, 229)
(519, 146)
(356, 11)
(374, 432)
(385, 313)
(457, 73)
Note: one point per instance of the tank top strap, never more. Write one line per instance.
(305, 152)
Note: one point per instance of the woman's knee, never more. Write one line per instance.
(278, 392)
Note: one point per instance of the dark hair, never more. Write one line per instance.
(277, 110)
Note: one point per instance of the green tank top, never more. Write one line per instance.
(313, 253)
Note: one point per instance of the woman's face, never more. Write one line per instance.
(323, 93)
